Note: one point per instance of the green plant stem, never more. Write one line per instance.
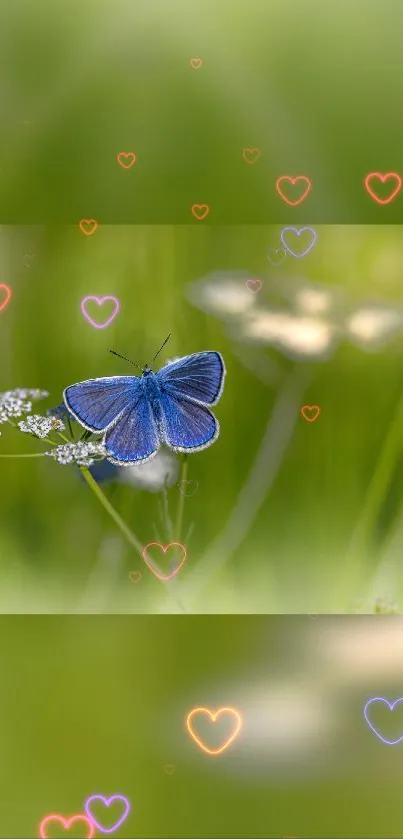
(37, 454)
(181, 505)
(131, 538)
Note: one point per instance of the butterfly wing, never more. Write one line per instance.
(134, 438)
(199, 377)
(97, 403)
(186, 426)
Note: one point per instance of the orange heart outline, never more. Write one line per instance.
(383, 178)
(196, 63)
(248, 152)
(66, 824)
(85, 221)
(293, 181)
(126, 154)
(8, 296)
(134, 577)
(213, 716)
(310, 408)
(195, 210)
(164, 550)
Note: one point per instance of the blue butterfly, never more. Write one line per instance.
(137, 414)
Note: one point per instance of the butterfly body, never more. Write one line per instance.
(137, 415)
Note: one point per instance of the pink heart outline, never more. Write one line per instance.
(107, 802)
(100, 301)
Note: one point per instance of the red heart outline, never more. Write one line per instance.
(383, 178)
(8, 296)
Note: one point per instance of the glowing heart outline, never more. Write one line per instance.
(213, 716)
(66, 822)
(86, 221)
(164, 549)
(391, 706)
(383, 178)
(107, 802)
(293, 181)
(122, 154)
(100, 301)
(7, 297)
(298, 233)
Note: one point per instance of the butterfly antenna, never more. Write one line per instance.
(161, 348)
(126, 359)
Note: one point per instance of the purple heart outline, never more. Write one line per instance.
(107, 802)
(298, 233)
(391, 706)
(100, 301)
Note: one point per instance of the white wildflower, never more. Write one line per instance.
(40, 426)
(12, 406)
(83, 454)
(162, 470)
(15, 403)
(26, 393)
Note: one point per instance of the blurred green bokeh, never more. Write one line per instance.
(97, 705)
(289, 515)
(314, 86)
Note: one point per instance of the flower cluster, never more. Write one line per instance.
(83, 454)
(16, 403)
(40, 426)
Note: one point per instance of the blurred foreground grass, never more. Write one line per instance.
(288, 515)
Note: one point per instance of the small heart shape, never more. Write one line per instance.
(280, 254)
(200, 211)
(126, 159)
(253, 285)
(135, 576)
(6, 294)
(251, 156)
(170, 768)
(310, 412)
(293, 182)
(164, 549)
(188, 488)
(196, 63)
(382, 178)
(66, 823)
(88, 226)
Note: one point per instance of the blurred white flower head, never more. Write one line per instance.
(371, 326)
(298, 337)
(162, 470)
(223, 294)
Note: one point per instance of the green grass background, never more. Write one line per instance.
(98, 705)
(288, 516)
